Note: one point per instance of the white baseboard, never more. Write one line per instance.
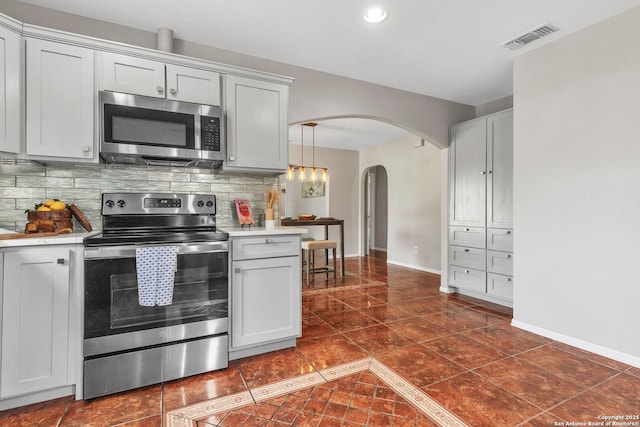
(415, 267)
(629, 359)
(380, 249)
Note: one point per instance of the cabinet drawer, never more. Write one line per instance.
(500, 262)
(500, 286)
(467, 257)
(467, 278)
(265, 247)
(473, 237)
(500, 239)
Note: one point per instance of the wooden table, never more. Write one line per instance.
(326, 223)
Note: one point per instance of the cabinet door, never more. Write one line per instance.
(35, 320)
(468, 173)
(10, 69)
(266, 301)
(60, 101)
(500, 167)
(121, 73)
(193, 85)
(257, 129)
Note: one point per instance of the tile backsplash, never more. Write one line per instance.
(24, 183)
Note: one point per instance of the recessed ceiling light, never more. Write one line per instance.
(375, 15)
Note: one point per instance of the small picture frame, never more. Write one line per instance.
(312, 189)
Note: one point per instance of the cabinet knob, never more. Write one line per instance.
(483, 172)
(173, 92)
(508, 256)
(508, 231)
(237, 270)
(466, 271)
(60, 261)
(490, 172)
(466, 229)
(268, 241)
(86, 149)
(160, 89)
(232, 158)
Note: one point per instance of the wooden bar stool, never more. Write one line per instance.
(308, 249)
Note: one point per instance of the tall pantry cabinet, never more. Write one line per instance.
(481, 208)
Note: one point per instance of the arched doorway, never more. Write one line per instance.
(375, 223)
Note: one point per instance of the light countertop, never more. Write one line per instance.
(62, 239)
(261, 231)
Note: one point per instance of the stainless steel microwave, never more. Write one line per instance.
(154, 131)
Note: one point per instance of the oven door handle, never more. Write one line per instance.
(108, 252)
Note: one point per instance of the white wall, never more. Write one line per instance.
(414, 201)
(577, 188)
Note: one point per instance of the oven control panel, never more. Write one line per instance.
(157, 203)
(153, 202)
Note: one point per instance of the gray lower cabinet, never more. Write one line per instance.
(266, 294)
(39, 328)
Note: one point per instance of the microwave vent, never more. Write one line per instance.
(530, 36)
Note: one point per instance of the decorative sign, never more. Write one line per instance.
(245, 216)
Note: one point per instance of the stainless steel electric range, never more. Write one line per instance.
(155, 292)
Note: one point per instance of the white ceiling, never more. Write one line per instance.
(449, 49)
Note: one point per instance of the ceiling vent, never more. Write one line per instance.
(530, 36)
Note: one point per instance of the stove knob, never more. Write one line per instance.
(200, 203)
(121, 203)
(109, 203)
(209, 203)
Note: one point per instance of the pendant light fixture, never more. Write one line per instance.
(302, 173)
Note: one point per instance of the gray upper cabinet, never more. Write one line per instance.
(257, 128)
(500, 170)
(468, 173)
(60, 102)
(129, 74)
(10, 70)
(481, 176)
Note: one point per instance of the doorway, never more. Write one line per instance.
(375, 204)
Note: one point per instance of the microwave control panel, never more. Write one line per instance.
(210, 133)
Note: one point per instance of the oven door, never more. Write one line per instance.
(115, 321)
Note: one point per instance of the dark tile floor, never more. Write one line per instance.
(461, 352)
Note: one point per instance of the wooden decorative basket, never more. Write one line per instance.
(49, 221)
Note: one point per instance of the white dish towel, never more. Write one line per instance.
(155, 271)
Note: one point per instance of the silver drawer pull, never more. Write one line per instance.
(466, 271)
(267, 241)
(466, 250)
(60, 261)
